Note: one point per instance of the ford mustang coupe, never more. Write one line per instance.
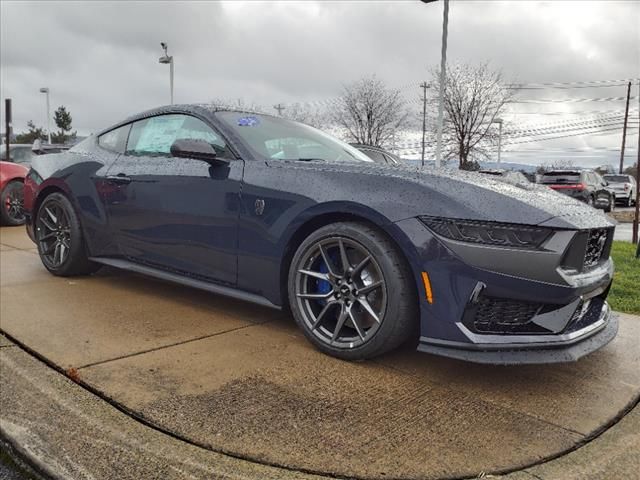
(364, 255)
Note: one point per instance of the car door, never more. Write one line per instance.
(177, 214)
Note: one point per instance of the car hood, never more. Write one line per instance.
(467, 195)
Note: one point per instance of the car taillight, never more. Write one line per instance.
(626, 187)
(581, 186)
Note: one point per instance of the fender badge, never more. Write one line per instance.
(259, 206)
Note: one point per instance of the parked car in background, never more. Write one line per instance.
(510, 176)
(18, 153)
(23, 153)
(585, 185)
(378, 154)
(364, 255)
(11, 192)
(624, 187)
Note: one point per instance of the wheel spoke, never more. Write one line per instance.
(51, 215)
(369, 288)
(340, 323)
(321, 315)
(56, 254)
(63, 249)
(358, 268)
(315, 295)
(327, 261)
(320, 275)
(367, 306)
(48, 235)
(47, 224)
(355, 324)
(346, 266)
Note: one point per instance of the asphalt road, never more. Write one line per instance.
(241, 379)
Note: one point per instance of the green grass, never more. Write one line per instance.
(625, 291)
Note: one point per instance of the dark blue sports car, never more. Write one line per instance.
(365, 256)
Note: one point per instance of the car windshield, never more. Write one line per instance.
(617, 178)
(21, 154)
(561, 177)
(274, 138)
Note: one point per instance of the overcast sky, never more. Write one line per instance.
(100, 59)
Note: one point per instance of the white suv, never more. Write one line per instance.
(624, 186)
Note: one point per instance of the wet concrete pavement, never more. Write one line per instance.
(240, 379)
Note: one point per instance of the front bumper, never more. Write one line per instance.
(532, 351)
(504, 306)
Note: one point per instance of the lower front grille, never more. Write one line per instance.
(596, 244)
(501, 315)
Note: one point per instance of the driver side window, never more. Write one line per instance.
(154, 136)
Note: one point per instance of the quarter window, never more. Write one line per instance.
(154, 136)
(115, 140)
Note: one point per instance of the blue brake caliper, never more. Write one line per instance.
(323, 286)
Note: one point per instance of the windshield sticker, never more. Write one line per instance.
(248, 121)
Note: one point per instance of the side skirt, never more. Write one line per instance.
(189, 282)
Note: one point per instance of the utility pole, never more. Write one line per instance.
(279, 107)
(624, 130)
(7, 126)
(45, 90)
(168, 60)
(636, 218)
(424, 87)
(443, 76)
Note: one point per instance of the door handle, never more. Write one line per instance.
(120, 178)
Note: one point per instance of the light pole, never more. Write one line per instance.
(45, 90)
(164, 60)
(443, 76)
(499, 122)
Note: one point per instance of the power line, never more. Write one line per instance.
(573, 100)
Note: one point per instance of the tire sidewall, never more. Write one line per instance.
(77, 242)
(394, 278)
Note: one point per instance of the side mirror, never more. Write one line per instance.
(197, 150)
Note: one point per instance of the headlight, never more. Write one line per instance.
(510, 235)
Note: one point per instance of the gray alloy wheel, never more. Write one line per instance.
(12, 208)
(59, 238)
(343, 291)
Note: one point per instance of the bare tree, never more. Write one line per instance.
(309, 113)
(555, 165)
(474, 98)
(237, 104)
(369, 112)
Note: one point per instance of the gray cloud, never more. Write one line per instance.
(100, 59)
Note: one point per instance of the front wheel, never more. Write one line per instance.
(59, 238)
(351, 292)
(12, 198)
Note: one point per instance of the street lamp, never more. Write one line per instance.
(499, 122)
(164, 60)
(45, 90)
(443, 74)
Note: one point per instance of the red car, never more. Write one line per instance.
(12, 192)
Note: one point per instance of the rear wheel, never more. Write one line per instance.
(12, 207)
(59, 238)
(351, 292)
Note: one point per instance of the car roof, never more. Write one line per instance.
(198, 109)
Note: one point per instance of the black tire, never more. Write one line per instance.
(11, 206)
(612, 205)
(629, 201)
(62, 249)
(397, 301)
